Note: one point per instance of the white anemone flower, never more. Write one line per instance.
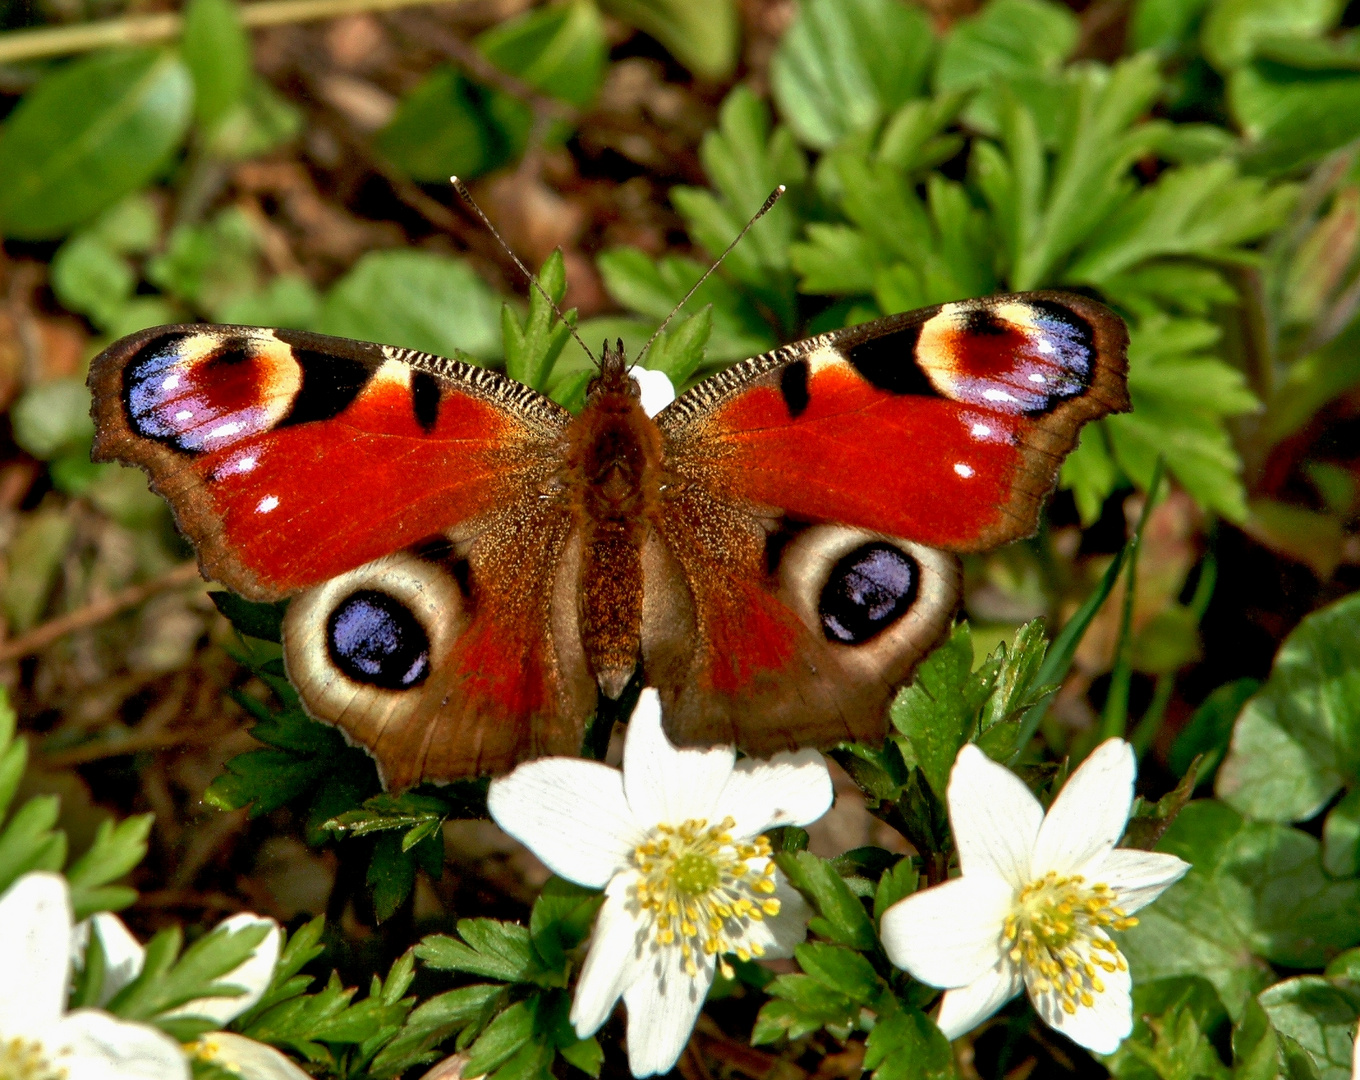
(1036, 900)
(657, 390)
(125, 956)
(39, 1040)
(675, 841)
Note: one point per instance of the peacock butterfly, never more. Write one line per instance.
(471, 564)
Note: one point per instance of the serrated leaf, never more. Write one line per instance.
(561, 918)
(906, 1045)
(116, 849)
(503, 1037)
(841, 970)
(1319, 1014)
(532, 347)
(842, 917)
(496, 950)
(844, 65)
(263, 621)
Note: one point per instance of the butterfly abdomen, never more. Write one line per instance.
(613, 470)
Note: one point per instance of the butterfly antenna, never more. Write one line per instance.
(764, 209)
(466, 196)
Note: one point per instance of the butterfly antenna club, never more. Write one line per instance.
(466, 196)
(764, 209)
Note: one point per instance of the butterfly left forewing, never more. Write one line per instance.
(398, 497)
(847, 465)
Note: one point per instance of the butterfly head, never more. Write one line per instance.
(613, 377)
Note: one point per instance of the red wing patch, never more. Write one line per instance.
(289, 458)
(946, 427)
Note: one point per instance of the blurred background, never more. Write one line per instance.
(285, 163)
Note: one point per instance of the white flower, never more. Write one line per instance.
(675, 842)
(39, 1040)
(246, 1057)
(657, 391)
(124, 957)
(1036, 900)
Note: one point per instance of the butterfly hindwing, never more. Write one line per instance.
(818, 488)
(396, 496)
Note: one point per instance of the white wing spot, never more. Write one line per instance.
(171, 382)
(224, 431)
(268, 503)
(981, 431)
(963, 470)
(184, 414)
(1036, 378)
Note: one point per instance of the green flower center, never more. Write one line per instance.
(1058, 933)
(25, 1059)
(704, 890)
(694, 873)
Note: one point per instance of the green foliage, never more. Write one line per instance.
(1297, 742)
(702, 34)
(93, 132)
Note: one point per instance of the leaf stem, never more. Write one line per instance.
(144, 29)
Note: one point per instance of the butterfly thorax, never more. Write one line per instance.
(613, 473)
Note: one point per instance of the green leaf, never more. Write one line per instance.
(560, 50)
(53, 417)
(262, 120)
(896, 884)
(561, 919)
(116, 849)
(1203, 210)
(654, 288)
(496, 950)
(1233, 28)
(845, 65)
(1293, 116)
(168, 979)
(1021, 43)
(1341, 837)
(938, 712)
(1181, 395)
(703, 35)
(263, 621)
(1255, 890)
(88, 276)
(800, 1005)
(216, 51)
(532, 348)
(503, 1037)
(87, 135)
(415, 300)
(35, 556)
(1319, 1014)
(209, 265)
(841, 970)
(680, 351)
(391, 875)
(1209, 729)
(1298, 740)
(438, 131)
(28, 841)
(745, 161)
(906, 1045)
(1175, 1021)
(841, 917)
(433, 1022)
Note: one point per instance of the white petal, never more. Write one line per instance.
(252, 976)
(663, 784)
(789, 789)
(965, 1008)
(92, 1045)
(571, 814)
(247, 1058)
(949, 935)
(663, 1005)
(780, 934)
(35, 940)
(995, 817)
(123, 953)
(1102, 1025)
(613, 959)
(1089, 815)
(1139, 877)
(657, 391)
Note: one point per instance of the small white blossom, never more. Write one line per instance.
(39, 1040)
(675, 841)
(251, 1060)
(1036, 900)
(657, 391)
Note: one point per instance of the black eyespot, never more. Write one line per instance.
(868, 590)
(373, 638)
